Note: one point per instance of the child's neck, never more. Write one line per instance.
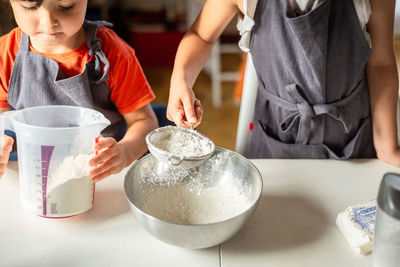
(71, 43)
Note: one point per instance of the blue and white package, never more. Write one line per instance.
(357, 225)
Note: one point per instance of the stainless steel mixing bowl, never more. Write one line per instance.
(231, 165)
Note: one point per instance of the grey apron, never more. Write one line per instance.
(37, 80)
(313, 99)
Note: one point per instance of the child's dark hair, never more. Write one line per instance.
(38, 2)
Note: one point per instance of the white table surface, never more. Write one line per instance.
(294, 224)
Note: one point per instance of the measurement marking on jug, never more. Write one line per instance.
(47, 151)
(53, 208)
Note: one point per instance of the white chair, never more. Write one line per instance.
(249, 94)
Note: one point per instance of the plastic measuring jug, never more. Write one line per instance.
(54, 144)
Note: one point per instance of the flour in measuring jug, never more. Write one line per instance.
(69, 186)
(72, 167)
(182, 143)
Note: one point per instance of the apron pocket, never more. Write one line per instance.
(361, 146)
(263, 145)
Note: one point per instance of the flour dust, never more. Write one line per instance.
(201, 195)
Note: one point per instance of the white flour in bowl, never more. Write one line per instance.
(178, 204)
(194, 196)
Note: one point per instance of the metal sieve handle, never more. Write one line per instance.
(174, 160)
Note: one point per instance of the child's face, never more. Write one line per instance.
(51, 24)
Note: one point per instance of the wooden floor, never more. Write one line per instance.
(219, 124)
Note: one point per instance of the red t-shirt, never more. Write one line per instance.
(129, 87)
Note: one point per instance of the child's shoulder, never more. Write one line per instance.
(112, 44)
(14, 34)
(9, 43)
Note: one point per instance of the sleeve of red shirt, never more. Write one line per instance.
(129, 87)
(9, 45)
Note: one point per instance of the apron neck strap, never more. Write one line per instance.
(24, 45)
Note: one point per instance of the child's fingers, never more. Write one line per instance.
(104, 142)
(114, 164)
(105, 149)
(105, 174)
(199, 111)
(190, 114)
(175, 113)
(102, 156)
(106, 169)
(3, 167)
(107, 161)
(7, 143)
(4, 162)
(7, 147)
(179, 117)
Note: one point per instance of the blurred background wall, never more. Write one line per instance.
(397, 22)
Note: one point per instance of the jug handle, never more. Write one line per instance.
(6, 123)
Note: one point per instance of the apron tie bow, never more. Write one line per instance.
(303, 112)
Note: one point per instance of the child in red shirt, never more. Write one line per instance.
(96, 69)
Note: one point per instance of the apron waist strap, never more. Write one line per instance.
(303, 111)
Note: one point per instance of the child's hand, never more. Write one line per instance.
(7, 147)
(109, 159)
(183, 108)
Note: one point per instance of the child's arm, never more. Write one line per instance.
(114, 156)
(7, 147)
(383, 81)
(192, 54)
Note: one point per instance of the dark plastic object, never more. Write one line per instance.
(161, 113)
(389, 195)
